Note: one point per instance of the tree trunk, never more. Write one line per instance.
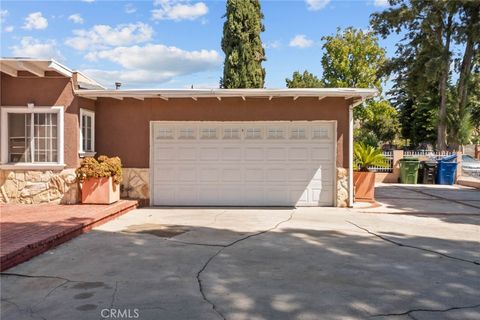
(467, 62)
(442, 108)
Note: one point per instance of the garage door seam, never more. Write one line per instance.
(204, 267)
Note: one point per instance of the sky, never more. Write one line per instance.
(173, 43)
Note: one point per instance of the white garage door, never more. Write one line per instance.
(243, 163)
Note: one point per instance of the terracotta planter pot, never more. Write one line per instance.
(100, 191)
(364, 183)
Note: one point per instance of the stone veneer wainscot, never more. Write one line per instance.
(38, 186)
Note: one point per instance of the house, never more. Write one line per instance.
(239, 147)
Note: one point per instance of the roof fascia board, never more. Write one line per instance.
(219, 93)
(60, 69)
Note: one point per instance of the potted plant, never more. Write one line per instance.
(364, 181)
(100, 179)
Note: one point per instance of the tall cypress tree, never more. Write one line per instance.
(242, 45)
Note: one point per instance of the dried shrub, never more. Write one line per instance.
(101, 168)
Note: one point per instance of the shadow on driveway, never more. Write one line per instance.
(321, 264)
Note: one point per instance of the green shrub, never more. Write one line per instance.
(103, 167)
(366, 156)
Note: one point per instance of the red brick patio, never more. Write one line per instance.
(29, 230)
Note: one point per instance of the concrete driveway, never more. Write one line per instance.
(388, 262)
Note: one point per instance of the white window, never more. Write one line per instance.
(164, 133)
(32, 135)
(320, 133)
(187, 133)
(231, 133)
(275, 133)
(209, 133)
(253, 133)
(87, 132)
(298, 133)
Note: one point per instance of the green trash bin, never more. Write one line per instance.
(409, 170)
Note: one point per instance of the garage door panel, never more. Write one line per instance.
(165, 174)
(265, 163)
(164, 153)
(187, 153)
(254, 174)
(322, 153)
(208, 175)
(254, 195)
(186, 195)
(208, 153)
(297, 153)
(276, 153)
(323, 174)
(164, 195)
(231, 175)
(277, 195)
(299, 196)
(232, 153)
(300, 174)
(254, 153)
(275, 175)
(208, 195)
(186, 174)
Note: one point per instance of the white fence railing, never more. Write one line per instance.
(427, 153)
(389, 158)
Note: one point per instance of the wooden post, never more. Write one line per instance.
(477, 152)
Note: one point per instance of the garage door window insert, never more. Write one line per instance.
(32, 135)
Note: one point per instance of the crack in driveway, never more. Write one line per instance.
(412, 247)
(409, 312)
(204, 267)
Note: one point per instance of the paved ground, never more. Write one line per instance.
(318, 263)
(29, 230)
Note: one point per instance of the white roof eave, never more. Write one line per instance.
(347, 93)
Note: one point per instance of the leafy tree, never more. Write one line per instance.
(432, 29)
(474, 102)
(305, 80)
(242, 45)
(381, 119)
(352, 59)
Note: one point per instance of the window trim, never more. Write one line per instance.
(30, 108)
(91, 114)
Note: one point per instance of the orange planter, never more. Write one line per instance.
(100, 191)
(364, 183)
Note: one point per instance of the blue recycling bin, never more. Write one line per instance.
(446, 168)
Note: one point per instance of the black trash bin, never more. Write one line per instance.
(427, 172)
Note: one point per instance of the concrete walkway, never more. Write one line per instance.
(307, 263)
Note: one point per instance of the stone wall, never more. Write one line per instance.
(135, 184)
(38, 186)
(342, 187)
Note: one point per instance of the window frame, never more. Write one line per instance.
(89, 113)
(30, 108)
